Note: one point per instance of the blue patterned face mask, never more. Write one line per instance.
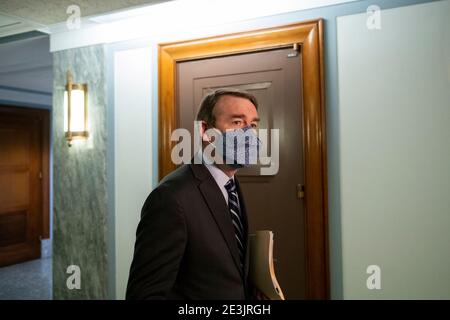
(239, 148)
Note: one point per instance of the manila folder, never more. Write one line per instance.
(261, 269)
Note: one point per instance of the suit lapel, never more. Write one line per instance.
(218, 208)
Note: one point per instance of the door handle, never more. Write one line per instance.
(300, 191)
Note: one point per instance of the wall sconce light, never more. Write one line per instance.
(75, 110)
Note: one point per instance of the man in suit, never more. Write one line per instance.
(191, 241)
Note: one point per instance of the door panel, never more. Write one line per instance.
(20, 188)
(274, 77)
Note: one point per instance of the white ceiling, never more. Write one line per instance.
(18, 16)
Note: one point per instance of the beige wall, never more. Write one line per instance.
(133, 160)
(394, 120)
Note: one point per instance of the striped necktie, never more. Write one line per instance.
(235, 212)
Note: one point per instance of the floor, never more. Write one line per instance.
(30, 280)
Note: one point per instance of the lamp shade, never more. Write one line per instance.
(75, 110)
(77, 118)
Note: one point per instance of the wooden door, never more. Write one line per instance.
(273, 76)
(22, 184)
(310, 135)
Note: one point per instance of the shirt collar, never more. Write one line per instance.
(218, 175)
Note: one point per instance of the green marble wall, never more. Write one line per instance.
(80, 189)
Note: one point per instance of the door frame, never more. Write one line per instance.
(309, 36)
(42, 115)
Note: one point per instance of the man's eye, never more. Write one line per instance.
(237, 122)
(254, 125)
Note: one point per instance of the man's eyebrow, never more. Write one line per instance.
(242, 116)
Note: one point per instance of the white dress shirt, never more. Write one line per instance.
(220, 177)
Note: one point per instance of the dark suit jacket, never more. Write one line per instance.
(185, 244)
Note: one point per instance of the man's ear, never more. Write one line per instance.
(203, 127)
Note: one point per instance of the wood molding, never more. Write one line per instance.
(45, 125)
(309, 35)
